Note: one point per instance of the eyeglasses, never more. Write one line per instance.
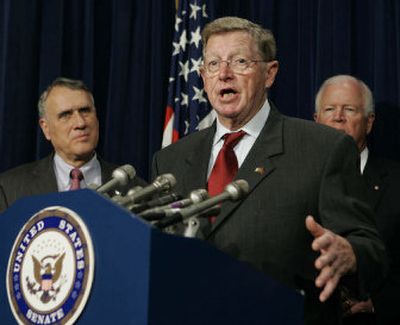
(238, 65)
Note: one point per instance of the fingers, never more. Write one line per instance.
(313, 227)
(336, 257)
(325, 259)
(362, 307)
(323, 242)
(324, 276)
(335, 260)
(328, 279)
(329, 288)
(334, 268)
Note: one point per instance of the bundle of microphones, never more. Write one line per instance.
(157, 203)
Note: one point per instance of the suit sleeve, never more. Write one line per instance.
(344, 210)
(3, 200)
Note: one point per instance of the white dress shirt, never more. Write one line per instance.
(363, 159)
(91, 173)
(252, 129)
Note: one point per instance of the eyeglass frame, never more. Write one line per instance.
(218, 62)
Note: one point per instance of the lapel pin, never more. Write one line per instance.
(376, 187)
(260, 170)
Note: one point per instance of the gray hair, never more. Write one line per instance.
(263, 37)
(366, 92)
(61, 82)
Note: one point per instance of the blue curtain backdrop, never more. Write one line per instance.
(122, 50)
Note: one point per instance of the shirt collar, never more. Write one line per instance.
(62, 170)
(252, 127)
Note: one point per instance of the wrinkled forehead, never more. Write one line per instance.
(230, 43)
(64, 97)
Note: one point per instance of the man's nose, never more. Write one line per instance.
(338, 114)
(225, 70)
(79, 120)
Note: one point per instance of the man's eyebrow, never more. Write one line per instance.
(72, 109)
(65, 111)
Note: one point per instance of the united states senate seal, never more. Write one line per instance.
(50, 268)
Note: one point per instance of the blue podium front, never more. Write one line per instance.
(140, 275)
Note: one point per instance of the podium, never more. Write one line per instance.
(144, 276)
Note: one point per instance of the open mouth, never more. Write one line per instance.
(227, 93)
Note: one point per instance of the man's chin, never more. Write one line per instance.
(84, 154)
(228, 112)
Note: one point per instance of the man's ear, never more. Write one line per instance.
(315, 115)
(370, 122)
(45, 128)
(271, 71)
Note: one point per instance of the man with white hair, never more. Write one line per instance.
(346, 103)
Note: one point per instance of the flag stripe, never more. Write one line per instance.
(187, 106)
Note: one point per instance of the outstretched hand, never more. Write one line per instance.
(336, 258)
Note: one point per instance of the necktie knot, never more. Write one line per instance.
(76, 176)
(232, 139)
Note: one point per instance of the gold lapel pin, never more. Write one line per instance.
(260, 170)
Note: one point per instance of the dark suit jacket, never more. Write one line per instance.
(383, 183)
(39, 178)
(308, 169)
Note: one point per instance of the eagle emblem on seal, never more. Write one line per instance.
(47, 273)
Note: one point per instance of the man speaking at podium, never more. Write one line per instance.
(295, 169)
(67, 117)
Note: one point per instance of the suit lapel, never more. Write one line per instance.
(195, 169)
(106, 170)
(374, 175)
(259, 162)
(196, 163)
(43, 177)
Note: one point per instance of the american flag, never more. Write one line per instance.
(187, 108)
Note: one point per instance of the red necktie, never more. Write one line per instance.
(76, 177)
(226, 165)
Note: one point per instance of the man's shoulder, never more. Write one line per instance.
(106, 165)
(23, 170)
(313, 133)
(186, 143)
(383, 165)
(310, 126)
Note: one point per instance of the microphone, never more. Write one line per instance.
(169, 221)
(156, 213)
(120, 177)
(233, 191)
(162, 183)
(150, 205)
(195, 196)
(118, 197)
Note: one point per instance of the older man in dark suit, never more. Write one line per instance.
(346, 103)
(68, 119)
(294, 168)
